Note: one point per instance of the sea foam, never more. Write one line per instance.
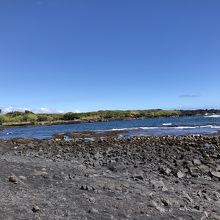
(212, 116)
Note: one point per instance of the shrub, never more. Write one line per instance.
(70, 116)
(2, 119)
(42, 117)
(31, 118)
(49, 118)
(15, 114)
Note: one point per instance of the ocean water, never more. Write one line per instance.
(145, 127)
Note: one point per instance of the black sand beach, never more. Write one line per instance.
(170, 177)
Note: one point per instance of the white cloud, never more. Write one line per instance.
(43, 110)
(12, 109)
(38, 110)
(77, 111)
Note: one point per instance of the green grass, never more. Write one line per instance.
(27, 117)
(14, 118)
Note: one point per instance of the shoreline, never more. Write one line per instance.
(124, 134)
(46, 123)
(175, 113)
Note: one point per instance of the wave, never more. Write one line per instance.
(123, 129)
(9, 133)
(210, 126)
(212, 116)
(163, 128)
(167, 124)
(119, 129)
(195, 127)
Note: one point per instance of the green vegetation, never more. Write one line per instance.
(27, 117)
(119, 114)
(71, 116)
(14, 118)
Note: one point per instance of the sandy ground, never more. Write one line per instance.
(136, 178)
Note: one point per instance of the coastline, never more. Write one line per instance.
(199, 126)
(102, 116)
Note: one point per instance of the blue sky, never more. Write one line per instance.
(109, 54)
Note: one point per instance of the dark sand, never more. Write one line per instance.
(136, 178)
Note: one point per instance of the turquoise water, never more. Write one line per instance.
(151, 126)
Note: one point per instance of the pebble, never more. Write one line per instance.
(13, 179)
(92, 200)
(215, 174)
(207, 146)
(93, 211)
(165, 202)
(138, 177)
(157, 184)
(196, 162)
(35, 209)
(180, 174)
(86, 187)
(22, 177)
(215, 217)
(40, 173)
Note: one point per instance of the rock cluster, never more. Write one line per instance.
(165, 177)
(182, 156)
